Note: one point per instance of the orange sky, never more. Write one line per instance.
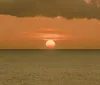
(12, 29)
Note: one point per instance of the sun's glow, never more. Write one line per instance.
(50, 44)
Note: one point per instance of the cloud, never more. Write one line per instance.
(68, 9)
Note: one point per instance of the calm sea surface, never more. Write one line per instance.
(49, 67)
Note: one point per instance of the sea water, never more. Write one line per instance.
(49, 67)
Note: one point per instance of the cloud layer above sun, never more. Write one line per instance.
(68, 9)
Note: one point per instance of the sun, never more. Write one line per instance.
(50, 43)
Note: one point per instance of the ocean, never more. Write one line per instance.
(49, 67)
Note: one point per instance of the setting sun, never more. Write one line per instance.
(50, 44)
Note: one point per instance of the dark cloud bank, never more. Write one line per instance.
(50, 8)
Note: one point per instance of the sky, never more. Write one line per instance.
(85, 33)
(24, 17)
